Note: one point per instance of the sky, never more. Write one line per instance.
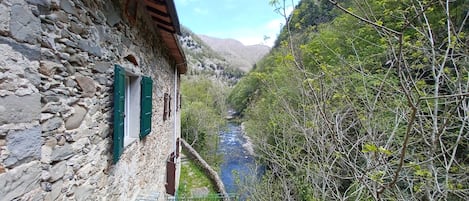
(248, 21)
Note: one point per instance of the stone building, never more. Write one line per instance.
(89, 99)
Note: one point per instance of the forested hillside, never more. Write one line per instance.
(205, 88)
(203, 94)
(362, 100)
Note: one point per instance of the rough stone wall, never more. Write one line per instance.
(56, 84)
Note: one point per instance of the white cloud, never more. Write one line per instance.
(253, 40)
(185, 2)
(270, 31)
(289, 10)
(262, 34)
(265, 34)
(230, 4)
(274, 24)
(201, 11)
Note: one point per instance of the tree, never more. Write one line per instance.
(371, 105)
(203, 107)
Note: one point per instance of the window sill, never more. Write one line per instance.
(129, 140)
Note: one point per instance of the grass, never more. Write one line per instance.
(192, 177)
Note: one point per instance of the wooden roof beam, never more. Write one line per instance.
(164, 28)
(166, 21)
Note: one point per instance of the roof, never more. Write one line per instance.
(164, 15)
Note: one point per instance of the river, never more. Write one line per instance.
(238, 162)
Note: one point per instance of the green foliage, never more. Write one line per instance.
(307, 14)
(243, 92)
(231, 72)
(192, 177)
(332, 108)
(203, 107)
(371, 148)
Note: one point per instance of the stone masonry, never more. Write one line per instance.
(56, 86)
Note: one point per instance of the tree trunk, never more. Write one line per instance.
(208, 170)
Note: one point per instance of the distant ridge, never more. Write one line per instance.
(236, 53)
(203, 60)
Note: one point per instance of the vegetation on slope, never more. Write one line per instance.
(369, 103)
(203, 109)
(204, 90)
(193, 177)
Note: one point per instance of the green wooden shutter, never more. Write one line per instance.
(119, 112)
(165, 110)
(146, 107)
(169, 107)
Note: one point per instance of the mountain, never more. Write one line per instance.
(236, 53)
(226, 59)
(202, 59)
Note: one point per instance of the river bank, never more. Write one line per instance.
(248, 145)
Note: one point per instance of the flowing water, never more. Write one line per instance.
(238, 162)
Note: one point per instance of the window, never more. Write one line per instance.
(167, 107)
(178, 99)
(132, 109)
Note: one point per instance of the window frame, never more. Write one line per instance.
(129, 112)
(132, 118)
